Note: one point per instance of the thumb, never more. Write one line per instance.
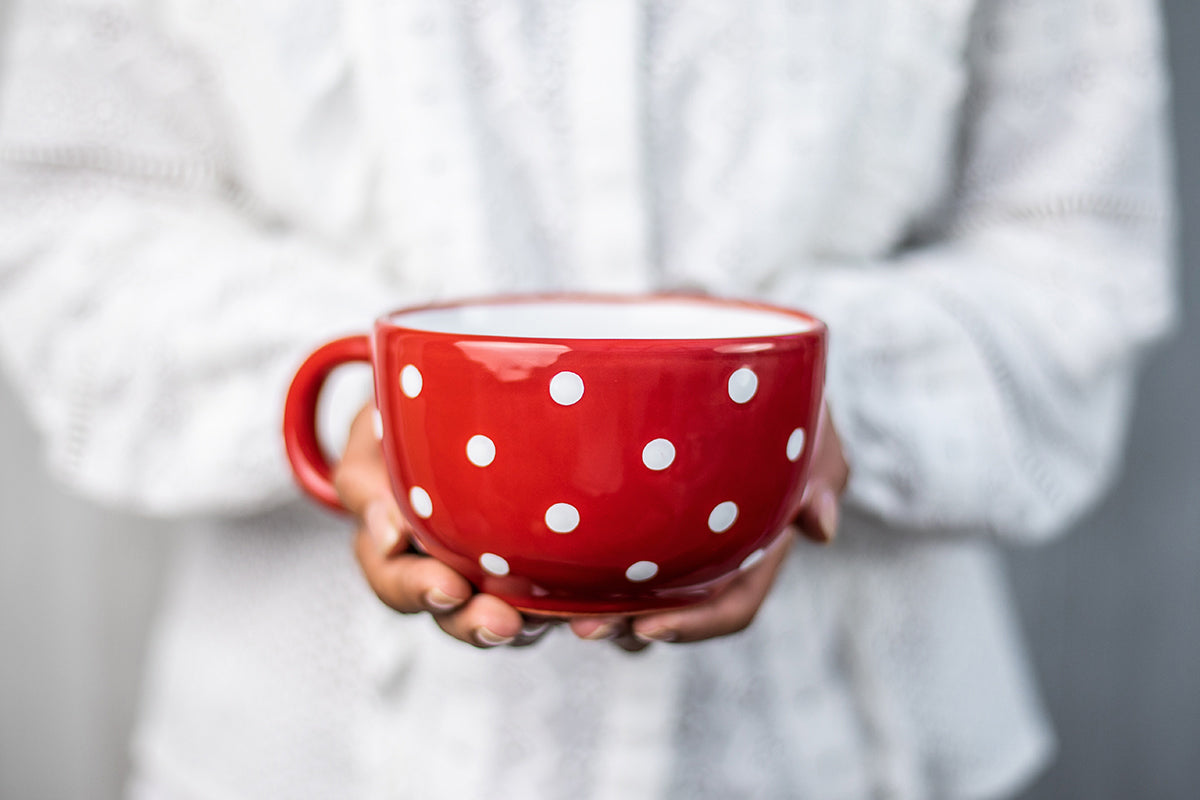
(820, 514)
(828, 476)
(361, 477)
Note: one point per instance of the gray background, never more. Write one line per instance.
(1112, 610)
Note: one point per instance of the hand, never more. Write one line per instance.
(404, 580)
(733, 608)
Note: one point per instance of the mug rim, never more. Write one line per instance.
(815, 328)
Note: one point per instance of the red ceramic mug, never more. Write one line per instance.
(583, 454)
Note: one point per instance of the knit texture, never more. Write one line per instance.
(974, 195)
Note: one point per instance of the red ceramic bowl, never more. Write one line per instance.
(582, 454)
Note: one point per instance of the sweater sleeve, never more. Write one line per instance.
(982, 377)
(150, 315)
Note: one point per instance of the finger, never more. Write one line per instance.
(533, 629)
(819, 511)
(484, 621)
(830, 454)
(597, 629)
(408, 582)
(627, 640)
(361, 476)
(618, 630)
(820, 514)
(386, 528)
(731, 610)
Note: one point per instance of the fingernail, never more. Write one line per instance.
(827, 515)
(606, 630)
(657, 635)
(534, 627)
(489, 638)
(381, 529)
(437, 600)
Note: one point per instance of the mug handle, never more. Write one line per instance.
(312, 469)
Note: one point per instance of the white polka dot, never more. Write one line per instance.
(562, 518)
(493, 564)
(658, 454)
(377, 423)
(641, 571)
(795, 444)
(722, 517)
(743, 383)
(411, 380)
(566, 388)
(420, 501)
(752, 559)
(481, 450)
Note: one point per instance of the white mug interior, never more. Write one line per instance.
(651, 318)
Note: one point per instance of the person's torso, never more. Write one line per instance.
(591, 145)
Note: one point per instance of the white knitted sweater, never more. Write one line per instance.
(193, 193)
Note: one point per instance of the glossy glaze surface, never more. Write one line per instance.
(597, 475)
